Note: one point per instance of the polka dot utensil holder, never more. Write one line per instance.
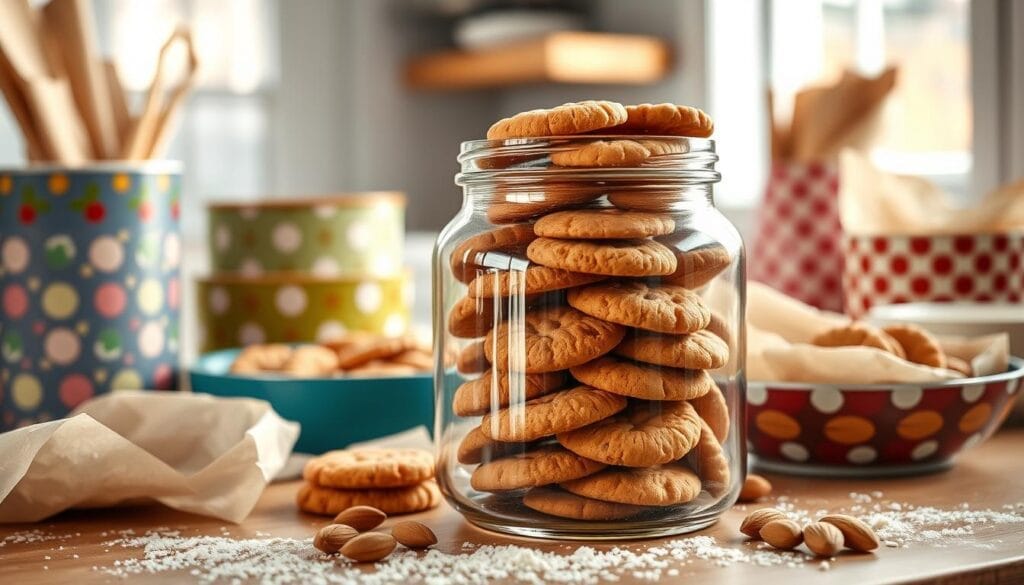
(838, 430)
(89, 285)
(327, 237)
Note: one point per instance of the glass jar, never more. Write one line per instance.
(592, 316)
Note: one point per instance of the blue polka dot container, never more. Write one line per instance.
(89, 285)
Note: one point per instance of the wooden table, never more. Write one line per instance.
(989, 477)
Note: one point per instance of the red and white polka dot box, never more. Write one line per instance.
(893, 269)
(797, 249)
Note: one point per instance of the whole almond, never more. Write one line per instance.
(413, 534)
(782, 534)
(754, 488)
(754, 521)
(823, 539)
(856, 534)
(332, 537)
(369, 547)
(362, 518)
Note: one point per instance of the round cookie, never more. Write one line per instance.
(709, 461)
(918, 345)
(660, 308)
(646, 200)
(521, 203)
(269, 357)
(555, 501)
(478, 396)
(665, 120)
(645, 381)
(563, 120)
(713, 409)
(534, 280)
(719, 325)
(666, 485)
(697, 267)
(643, 435)
(602, 224)
(543, 465)
(308, 361)
(471, 317)
(512, 239)
(631, 257)
(378, 349)
(477, 448)
(551, 414)
(472, 359)
(554, 338)
(602, 153)
(406, 500)
(700, 350)
(369, 468)
(858, 334)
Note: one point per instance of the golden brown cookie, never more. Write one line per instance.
(491, 390)
(369, 468)
(563, 120)
(602, 153)
(472, 359)
(542, 465)
(415, 358)
(697, 267)
(660, 308)
(404, 500)
(637, 380)
(666, 485)
(699, 350)
(383, 368)
(666, 120)
(521, 203)
(382, 348)
(719, 325)
(471, 317)
(602, 224)
(261, 358)
(311, 361)
(646, 200)
(663, 146)
(709, 461)
(475, 448)
(551, 339)
(555, 501)
(551, 414)
(534, 280)
(918, 345)
(713, 409)
(645, 434)
(610, 257)
(858, 334)
(958, 365)
(511, 239)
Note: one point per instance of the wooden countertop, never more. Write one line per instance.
(988, 477)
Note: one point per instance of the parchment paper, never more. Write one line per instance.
(192, 452)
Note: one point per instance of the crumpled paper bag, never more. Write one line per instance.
(873, 202)
(192, 452)
(779, 331)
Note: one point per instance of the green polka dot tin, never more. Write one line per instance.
(89, 285)
(236, 310)
(338, 236)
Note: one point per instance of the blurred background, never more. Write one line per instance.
(324, 96)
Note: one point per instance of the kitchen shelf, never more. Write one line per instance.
(562, 57)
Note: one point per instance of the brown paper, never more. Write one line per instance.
(192, 452)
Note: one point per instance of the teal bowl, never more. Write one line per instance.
(333, 412)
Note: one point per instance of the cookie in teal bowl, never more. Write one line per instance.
(333, 412)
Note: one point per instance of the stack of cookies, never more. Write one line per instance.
(395, 481)
(592, 351)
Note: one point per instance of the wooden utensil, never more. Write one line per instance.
(19, 107)
(118, 101)
(73, 29)
(60, 129)
(152, 129)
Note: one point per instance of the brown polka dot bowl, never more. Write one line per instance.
(875, 429)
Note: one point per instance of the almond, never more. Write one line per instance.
(856, 534)
(369, 547)
(782, 534)
(332, 537)
(823, 539)
(754, 488)
(362, 518)
(754, 521)
(413, 534)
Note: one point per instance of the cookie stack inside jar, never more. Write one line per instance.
(305, 269)
(594, 294)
